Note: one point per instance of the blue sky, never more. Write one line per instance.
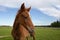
(43, 12)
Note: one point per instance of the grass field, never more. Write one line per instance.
(41, 33)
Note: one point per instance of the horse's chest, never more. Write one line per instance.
(23, 31)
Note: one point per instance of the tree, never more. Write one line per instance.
(55, 24)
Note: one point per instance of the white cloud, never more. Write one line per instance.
(51, 12)
(33, 3)
(9, 3)
(44, 5)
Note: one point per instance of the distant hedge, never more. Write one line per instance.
(5, 26)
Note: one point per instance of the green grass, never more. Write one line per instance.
(5, 31)
(47, 34)
(41, 33)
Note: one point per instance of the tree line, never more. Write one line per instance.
(55, 24)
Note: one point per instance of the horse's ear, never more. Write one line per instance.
(29, 9)
(22, 6)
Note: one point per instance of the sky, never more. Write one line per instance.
(43, 12)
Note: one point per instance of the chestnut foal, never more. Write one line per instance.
(23, 26)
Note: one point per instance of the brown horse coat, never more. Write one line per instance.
(23, 26)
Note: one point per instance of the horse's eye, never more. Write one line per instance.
(24, 17)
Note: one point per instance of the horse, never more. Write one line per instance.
(23, 26)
